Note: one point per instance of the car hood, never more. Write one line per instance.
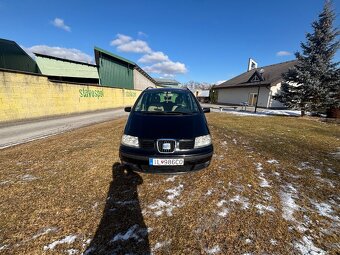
(166, 126)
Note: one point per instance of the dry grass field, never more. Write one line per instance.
(272, 188)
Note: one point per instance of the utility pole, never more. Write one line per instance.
(258, 89)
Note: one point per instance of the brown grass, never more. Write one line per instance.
(65, 183)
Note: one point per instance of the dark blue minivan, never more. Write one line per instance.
(166, 132)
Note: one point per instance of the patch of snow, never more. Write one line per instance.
(163, 207)
(241, 200)
(273, 161)
(264, 183)
(134, 232)
(234, 141)
(28, 177)
(306, 246)
(44, 232)
(288, 205)
(325, 210)
(209, 192)
(273, 242)
(2, 247)
(5, 182)
(224, 212)
(67, 239)
(248, 240)
(262, 208)
(222, 202)
(171, 179)
(159, 245)
(72, 251)
(259, 167)
(213, 250)
(175, 192)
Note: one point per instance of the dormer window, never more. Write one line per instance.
(255, 79)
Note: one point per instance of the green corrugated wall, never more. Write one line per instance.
(14, 58)
(115, 73)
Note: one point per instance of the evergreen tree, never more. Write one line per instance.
(314, 82)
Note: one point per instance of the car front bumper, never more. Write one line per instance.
(138, 160)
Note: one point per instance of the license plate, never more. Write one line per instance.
(166, 162)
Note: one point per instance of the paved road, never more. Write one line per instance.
(24, 132)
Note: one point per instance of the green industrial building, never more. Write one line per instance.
(61, 69)
(114, 71)
(13, 57)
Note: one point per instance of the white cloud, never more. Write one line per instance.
(167, 68)
(126, 44)
(137, 46)
(66, 53)
(159, 62)
(59, 23)
(156, 56)
(283, 53)
(141, 33)
(121, 39)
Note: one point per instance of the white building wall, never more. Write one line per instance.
(239, 95)
(273, 91)
(140, 81)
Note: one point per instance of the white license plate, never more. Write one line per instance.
(166, 161)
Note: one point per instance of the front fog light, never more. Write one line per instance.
(202, 141)
(129, 140)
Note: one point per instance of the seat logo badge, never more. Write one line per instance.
(166, 146)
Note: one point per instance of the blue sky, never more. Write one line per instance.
(202, 40)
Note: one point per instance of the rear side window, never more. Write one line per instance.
(167, 102)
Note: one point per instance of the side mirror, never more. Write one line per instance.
(127, 109)
(206, 110)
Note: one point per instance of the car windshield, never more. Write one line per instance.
(166, 102)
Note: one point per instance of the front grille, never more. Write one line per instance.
(166, 145)
(147, 144)
(186, 144)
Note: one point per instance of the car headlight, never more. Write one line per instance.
(202, 141)
(130, 140)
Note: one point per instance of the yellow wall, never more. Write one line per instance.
(26, 96)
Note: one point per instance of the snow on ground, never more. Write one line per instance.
(159, 207)
(273, 161)
(175, 192)
(44, 231)
(159, 245)
(224, 212)
(213, 250)
(264, 183)
(2, 247)
(209, 192)
(262, 208)
(28, 177)
(326, 210)
(72, 251)
(273, 242)
(67, 239)
(306, 246)
(240, 200)
(171, 179)
(134, 232)
(288, 203)
(259, 113)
